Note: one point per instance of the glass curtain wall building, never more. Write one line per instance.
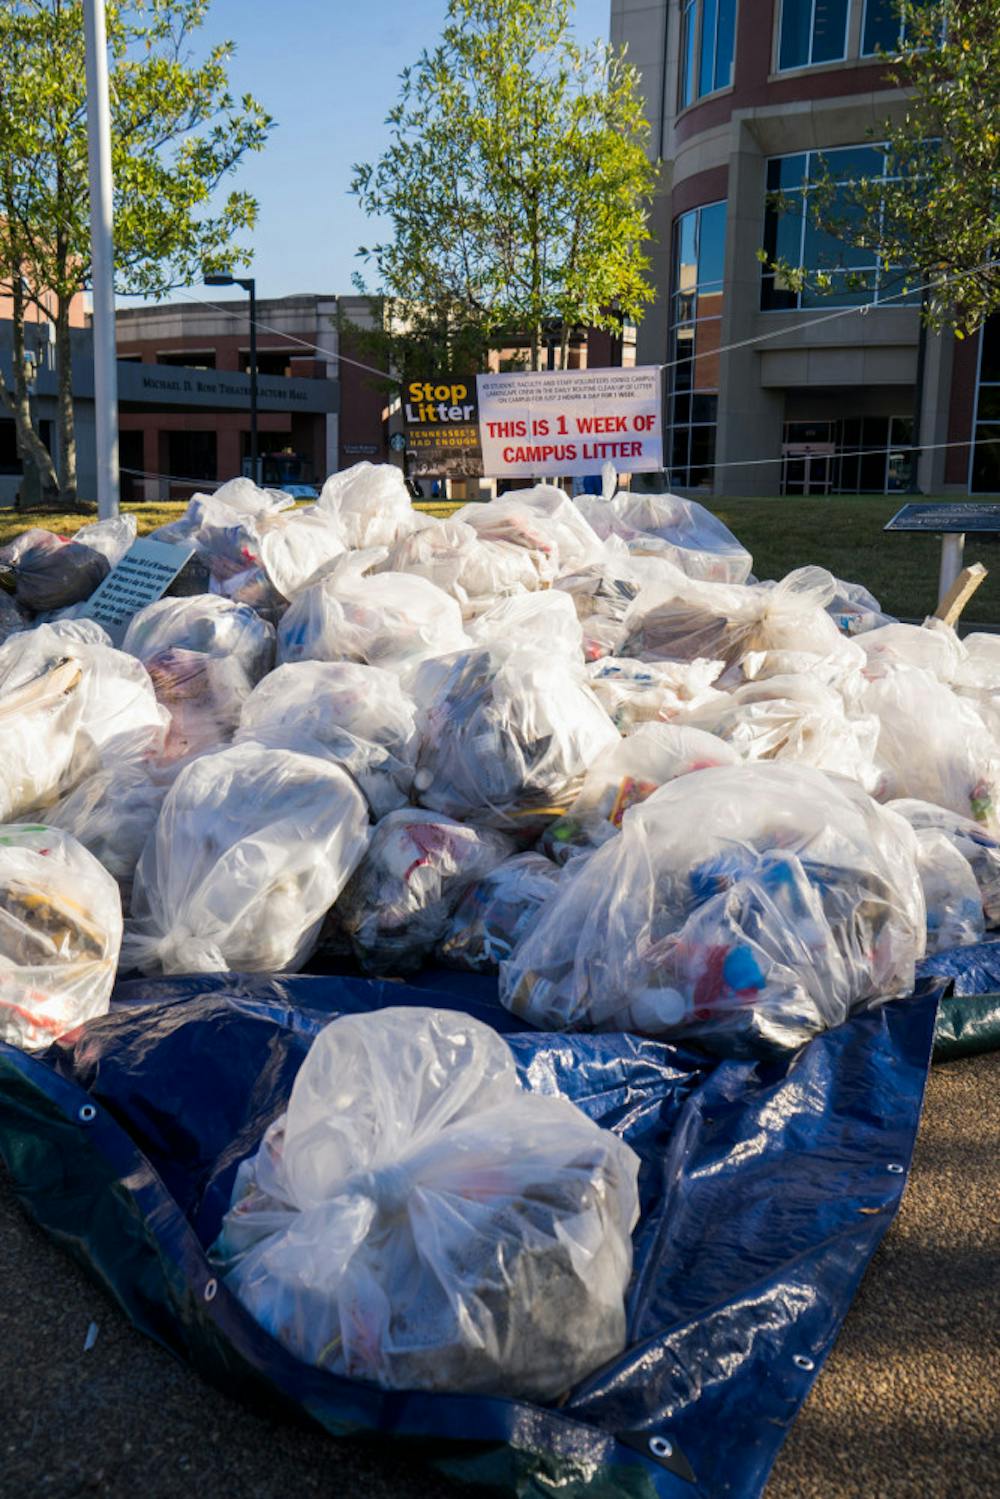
(778, 383)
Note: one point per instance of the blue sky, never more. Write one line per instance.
(327, 70)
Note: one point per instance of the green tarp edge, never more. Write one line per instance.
(966, 1025)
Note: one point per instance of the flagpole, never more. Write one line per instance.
(103, 257)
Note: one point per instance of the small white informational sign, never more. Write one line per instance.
(570, 422)
(142, 576)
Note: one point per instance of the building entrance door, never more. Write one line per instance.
(807, 468)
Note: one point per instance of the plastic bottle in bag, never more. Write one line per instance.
(746, 907)
(396, 908)
(252, 847)
(633, 692)
(418, 1219)
(60, 932)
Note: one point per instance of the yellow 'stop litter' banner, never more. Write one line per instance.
(551, 422)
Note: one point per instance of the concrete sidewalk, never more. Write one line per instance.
(907, 1406)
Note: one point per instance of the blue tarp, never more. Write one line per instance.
(970, 970)
(765, 1187)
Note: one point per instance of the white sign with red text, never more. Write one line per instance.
(570, 422)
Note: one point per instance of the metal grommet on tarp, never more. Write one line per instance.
(211, 1289)
(801, 1362)
(86, 1113)
(663, 1450)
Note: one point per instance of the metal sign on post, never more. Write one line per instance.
(103, 257)
(952, 522)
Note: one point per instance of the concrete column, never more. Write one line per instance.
(750, 417)
(150, 487)
(934, 417)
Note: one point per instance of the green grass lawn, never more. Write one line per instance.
(840, 532)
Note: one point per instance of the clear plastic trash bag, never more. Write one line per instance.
(980, 849)
(546, 621)
(543, 521)
(794, 717)
(601, 594)
(933, 647)
(855, 610)
(505, 735)
(370, 504)
(933, 745)
(58, 726)
(358, 717)
(951, 895)
(633, 692)
(474, 572)
(52, 572)
(747, 908)
(251, 849)
(43, 750)
(418, 1219)
(495, 913)
(627, 773)
(212, 626)
(396, 908)
(381, 619)
(204, 656)
(112, 813)
(682, 619)
(666, 525)
(60, 932)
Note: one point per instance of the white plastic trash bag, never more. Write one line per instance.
(204, 655)
(112, 813)
(496, 912)
(633, 692)
(951, 895)
(536, 621)
(418, 1219)
(396, 908)
(602, 593)
(627, 773)
(506, 735)
(666, 525)
(251, 849)
(381, 620)
(358, 717)
(794, 717)
(745, 907)
(980, 849)
(60, 932)
(474, 572)
(682, 619)
(370, 504)
(542, 521)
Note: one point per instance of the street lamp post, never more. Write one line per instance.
(250, 285)
(103, 257)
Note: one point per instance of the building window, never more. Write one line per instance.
(699, 247)
(884, 30)
(852, 455)
(10, 458)
(708, 30)
(192, 455)
(984, 476)
(189, 359)
(812, 32)
(792, 235)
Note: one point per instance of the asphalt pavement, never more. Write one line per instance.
(907, 1406)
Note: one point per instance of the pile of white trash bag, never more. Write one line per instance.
(573, 744)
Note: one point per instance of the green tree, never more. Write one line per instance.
(177, 133)
(933, 220)
(516, 184)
